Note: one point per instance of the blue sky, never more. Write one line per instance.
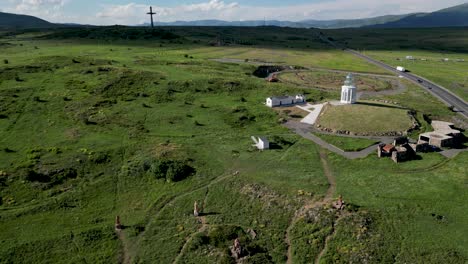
(130, 12)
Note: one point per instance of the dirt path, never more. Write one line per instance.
(330, 177)
(125, 257)
(328, 198)
(202, 220)
(325, 246)
(313, 204)
(177, 197)
(203, 227)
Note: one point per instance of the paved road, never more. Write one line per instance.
(304, 131)
(440, 92)
(443, 94)
(313, 114)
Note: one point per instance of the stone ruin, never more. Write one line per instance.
(443, 136)
(196, 211)
(236, 249)
(340, 204)
(399, 151)
(273, 78)
(118, 225)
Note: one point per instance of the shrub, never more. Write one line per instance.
(171, 170)
(100, 157)
(177, 171)
(34, 176)
(261, 258)
(159, 169)
(198, 241)
(222, 236)
(62, 175)
(5, 61)
(8, 150)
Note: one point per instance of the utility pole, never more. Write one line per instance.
(151, 13)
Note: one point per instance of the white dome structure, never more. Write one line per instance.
(348, 90)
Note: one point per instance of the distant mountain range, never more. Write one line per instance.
(456, 16)
(339, 23)
(449, 17)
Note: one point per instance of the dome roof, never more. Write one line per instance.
(349, 80)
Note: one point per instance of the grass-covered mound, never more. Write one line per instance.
(365, 119)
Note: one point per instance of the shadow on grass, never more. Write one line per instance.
(381, 105)
(275, 146)
(208, 213)
(8, 150)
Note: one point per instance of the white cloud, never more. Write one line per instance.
(135, 13)
(50, 9)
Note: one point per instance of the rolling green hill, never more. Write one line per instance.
(456, 16)
(8, 20)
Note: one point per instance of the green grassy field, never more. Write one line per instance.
(451, 74)
(432, 45)
(365, 117)
(346, 143)
(92, 129)
(419, 203)
(334, 81)
(330, 59)
(404, 39)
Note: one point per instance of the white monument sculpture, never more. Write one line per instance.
(348, 91)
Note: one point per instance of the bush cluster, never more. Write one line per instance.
(171, 170)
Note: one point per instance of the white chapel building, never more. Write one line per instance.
(348, 91)
(285, 100)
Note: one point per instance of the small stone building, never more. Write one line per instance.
(285, 100)
(444, 135)
(398, 153)
(420, 147)
(385, 150)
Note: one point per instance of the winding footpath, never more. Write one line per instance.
(313, 204)
(127, 257)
